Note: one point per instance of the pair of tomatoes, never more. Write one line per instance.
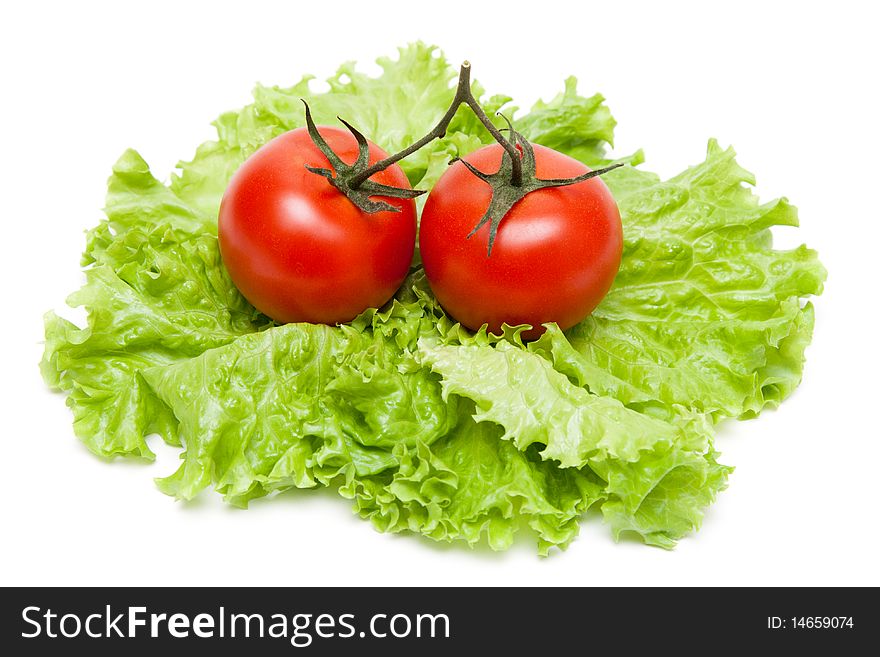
(301, 251)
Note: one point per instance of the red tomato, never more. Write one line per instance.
(297, 248)
(554, 258)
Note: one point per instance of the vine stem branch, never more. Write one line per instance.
(463, 95)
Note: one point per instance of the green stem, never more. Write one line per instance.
(463, 95)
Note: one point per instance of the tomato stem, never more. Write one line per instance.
(463, 95)
(515, 178)
(341, 174)
(505, 195)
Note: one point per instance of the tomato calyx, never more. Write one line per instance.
(353, 180)
(505, 194)
(515, 178)
(344, 173)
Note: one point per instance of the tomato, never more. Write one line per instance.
(555, 255)
(297, 248)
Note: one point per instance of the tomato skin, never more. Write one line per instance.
(555, 255)
(297, 248)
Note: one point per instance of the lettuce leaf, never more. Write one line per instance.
(427, 427)
(299, 406)
(537, 405)
(471, 485)
(296, 405)
(155, 293)
(704, 313)
(659, 475)
(577, 126)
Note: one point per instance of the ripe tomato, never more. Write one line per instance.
(555, 255)
(297, 248)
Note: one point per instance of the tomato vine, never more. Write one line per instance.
(515, 178)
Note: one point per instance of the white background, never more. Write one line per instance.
(793, 86)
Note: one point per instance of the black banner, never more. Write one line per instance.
(286, 621)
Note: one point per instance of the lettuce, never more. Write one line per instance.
(427, 427)
(659, 474)
(297, 405)
(704, 313)
(156, 292)
(471, 485)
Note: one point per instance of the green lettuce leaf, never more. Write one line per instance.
(155, 293)
(301, 405)
(538, 405)
(577, 126)
(704, 314)
(659, 475)
(296, 405)
(471, 485)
